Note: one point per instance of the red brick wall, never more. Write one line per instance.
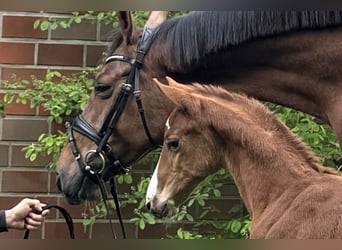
(25, 52)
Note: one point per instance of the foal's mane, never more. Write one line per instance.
(250, 106)
(197, 34)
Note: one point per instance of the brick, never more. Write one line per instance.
(24, 181)
(102, 230)
(106, 32)
(86, 30)
(22, 129)
(95, 55)
(18, 108)
(60, 54)
(19, 234)
(19, 160)
(4, 156)
(55, 127)
(19, 74)
(22, 27)
(7, 202)
(158, 230)
(18, 53)
(74, 210)
(59, 230)
(52, 187)
(229, 189)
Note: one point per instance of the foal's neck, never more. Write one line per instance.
(264, 157)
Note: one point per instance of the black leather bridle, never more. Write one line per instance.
(104, 152)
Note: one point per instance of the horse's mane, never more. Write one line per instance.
(192, 36)
(265, 116)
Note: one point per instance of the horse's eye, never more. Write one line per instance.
(172, 144)
(101, 87)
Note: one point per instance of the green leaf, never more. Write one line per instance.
(149, 218)
(63, 24)
(78, 19)
(33, 156)
(235, 226)
(189, 217)
(49, 142)
(36, 24)
(128, 178)
(180, 233)
(44, 25)
(53, 26)
(141, 224)
(217, 193)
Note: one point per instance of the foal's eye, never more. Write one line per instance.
(172, 144)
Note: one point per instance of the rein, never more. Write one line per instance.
(103, 152)
(67, 218)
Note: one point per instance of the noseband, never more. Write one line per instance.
(104, 152)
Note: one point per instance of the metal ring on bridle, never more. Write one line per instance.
(88, 167)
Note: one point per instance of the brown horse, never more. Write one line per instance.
(290, 58)
(286, 192)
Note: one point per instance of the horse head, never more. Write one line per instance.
(109, 134)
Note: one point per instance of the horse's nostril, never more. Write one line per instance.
(148, 206)
(58, 183)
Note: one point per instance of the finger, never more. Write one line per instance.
(35, 216)
(31, 223)
(30, 227)
(45, 212)
(38, 206)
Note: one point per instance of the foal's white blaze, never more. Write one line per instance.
(167, 124)
(152, 187)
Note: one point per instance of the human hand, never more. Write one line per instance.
(25, 215)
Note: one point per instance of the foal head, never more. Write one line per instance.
(188, 154)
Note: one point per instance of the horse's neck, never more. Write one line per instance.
(281, 65)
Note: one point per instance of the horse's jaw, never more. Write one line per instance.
(77, 189)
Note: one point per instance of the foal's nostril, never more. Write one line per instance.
(165, 210)
(148, 206)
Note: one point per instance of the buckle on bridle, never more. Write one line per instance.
(88, 167)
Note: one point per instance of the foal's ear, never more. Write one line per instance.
(177, 94)
(156, 18)
(170, 91)
(126, 24)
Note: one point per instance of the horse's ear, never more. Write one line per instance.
(156, 18)
(126, 24)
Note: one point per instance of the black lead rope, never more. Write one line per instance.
(117, 205)
(67, 218)
(116, 202)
